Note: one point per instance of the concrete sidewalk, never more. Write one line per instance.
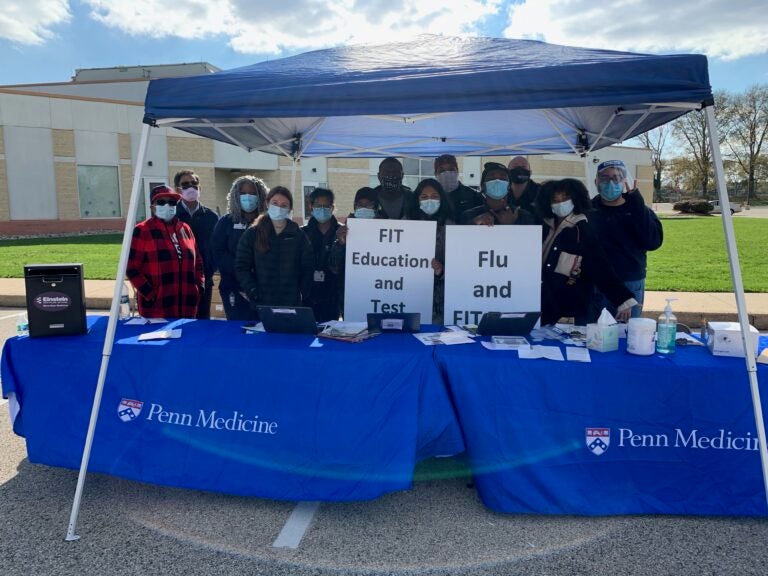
(691, 308)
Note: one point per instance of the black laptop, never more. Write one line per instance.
(507, 323)
(288, 319)
(396, 322)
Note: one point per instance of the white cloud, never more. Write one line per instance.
(718, 28)
(30, 21)
(269, 26)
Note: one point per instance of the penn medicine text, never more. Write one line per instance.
(237, 422)
(721, 440)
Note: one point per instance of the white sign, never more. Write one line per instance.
(491, 269)
(389, 268)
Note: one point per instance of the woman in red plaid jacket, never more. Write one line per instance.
(164, 266)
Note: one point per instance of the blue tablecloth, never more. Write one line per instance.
(262, 415)
(621, 435)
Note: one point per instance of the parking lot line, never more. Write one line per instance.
(296, 525)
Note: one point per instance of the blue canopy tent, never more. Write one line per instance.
(429, 96)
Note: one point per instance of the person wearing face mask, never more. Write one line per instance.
(496, 208)
(202, 221)
(366, 206)
(430, 202)
(393, 198)
(321, 231)
(462, 198)
(247, 198)
(274, 261)
(627, 230)
(164, 264)
(573, 261)
(523, 190)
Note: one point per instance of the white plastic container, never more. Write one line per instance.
(641, 336)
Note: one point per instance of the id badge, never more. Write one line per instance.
(319, 276)
(238, 226)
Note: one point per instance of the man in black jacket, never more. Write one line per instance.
(626, 229)
(462, 197)
(522, 189)
(202, 220)
(393, 197)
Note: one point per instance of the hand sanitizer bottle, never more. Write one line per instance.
(666, 330)
(124, 313)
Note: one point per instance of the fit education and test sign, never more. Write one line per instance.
(389, 268)
(491, 269)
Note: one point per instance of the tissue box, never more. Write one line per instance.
(724, 339)
(602, 337)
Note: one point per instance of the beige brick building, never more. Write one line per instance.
(68, 153)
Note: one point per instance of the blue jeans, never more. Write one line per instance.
(599, 301)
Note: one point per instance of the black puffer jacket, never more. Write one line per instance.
(281, 276)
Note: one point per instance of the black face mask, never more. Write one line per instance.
(519, 175)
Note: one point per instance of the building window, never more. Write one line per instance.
(415, 170)
(99, 192)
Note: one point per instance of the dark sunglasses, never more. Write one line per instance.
(189, 184)
(164, 202)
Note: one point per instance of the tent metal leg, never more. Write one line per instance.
(130, 222)
(738, 287)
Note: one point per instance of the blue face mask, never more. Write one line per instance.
(562, 209)
(429, 207)
(496, 189)
(165, 213)
(249, 202)
(365, 213)
(277, 213)
(322, 214)
(611, 190)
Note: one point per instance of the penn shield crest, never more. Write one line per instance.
(598, 440)
(128, 410)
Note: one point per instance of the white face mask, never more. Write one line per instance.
(190, 194)
(165, 212)
(562, 209)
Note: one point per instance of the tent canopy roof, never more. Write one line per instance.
(434, 95)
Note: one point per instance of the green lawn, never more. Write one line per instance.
(692, 259)
(98, 254)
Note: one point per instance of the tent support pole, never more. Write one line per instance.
(295, 193)
(130, 222)
(738, 288)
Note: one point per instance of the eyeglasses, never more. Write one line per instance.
(189, 184)
(614, 178)
(164, 202)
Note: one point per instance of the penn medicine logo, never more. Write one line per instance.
(128, 410)
(598, 440)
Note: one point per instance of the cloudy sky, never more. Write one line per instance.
(46, 40)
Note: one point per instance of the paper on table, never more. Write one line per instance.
(141, 321)
(428, 338)
(161, 335)
(539, 351)
(451, 338)
(574, 354)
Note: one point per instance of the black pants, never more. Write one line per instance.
(204, 306)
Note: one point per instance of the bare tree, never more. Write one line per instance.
(691, 131)
(654, 140)
(745, 127)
